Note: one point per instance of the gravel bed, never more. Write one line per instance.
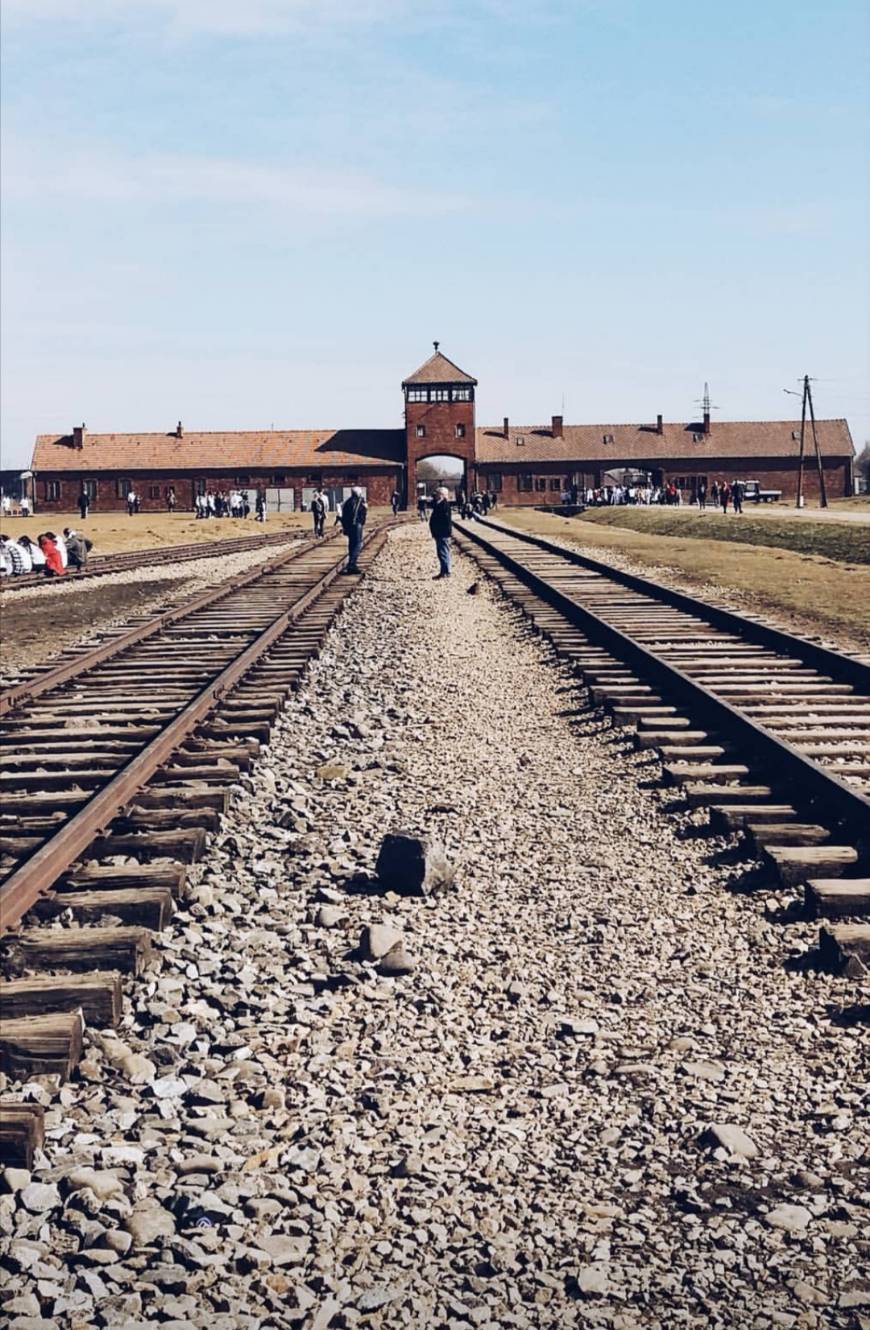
(513, 1132)
(60, 615)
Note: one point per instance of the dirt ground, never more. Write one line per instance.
(812, 594)
(62, 620)
(113, 532)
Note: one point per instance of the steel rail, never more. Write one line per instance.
(103, 565)
(847, 805)
(33, 687)
(848, 669)
(35, 877)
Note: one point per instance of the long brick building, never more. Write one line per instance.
(524, 464)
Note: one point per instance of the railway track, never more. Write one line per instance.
(115, 765)
(769, 731)
(101, 565)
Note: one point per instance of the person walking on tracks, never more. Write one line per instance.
(318, 512)
(353, 518)
(441, 529)
(395, 501)
(84, 503)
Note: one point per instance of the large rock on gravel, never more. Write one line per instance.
(412, 865)
(790, 1218)
(102, 1182)
(726, 1136)
(377, 940)
(148, 1222)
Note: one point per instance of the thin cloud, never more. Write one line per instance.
(220, 16)
(165, 178)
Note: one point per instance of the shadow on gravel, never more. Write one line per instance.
(693, 832)
(756, 877)
(806, 962)
(857, 1013)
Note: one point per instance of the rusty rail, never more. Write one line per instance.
(28, 689)
(36, 876)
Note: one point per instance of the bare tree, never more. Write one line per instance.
(862, 464)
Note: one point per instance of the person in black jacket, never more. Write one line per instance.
(441, 529)
(353, 518)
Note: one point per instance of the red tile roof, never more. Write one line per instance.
(438, 369)
(237, 450)
(641, 443)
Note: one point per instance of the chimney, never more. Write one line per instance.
(506, 429)
(660, 425)
(78, 435)
(179, 432)
(706, 429)
(557, 427)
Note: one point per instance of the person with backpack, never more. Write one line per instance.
(354, 512)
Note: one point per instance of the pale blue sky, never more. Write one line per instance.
(247, 212)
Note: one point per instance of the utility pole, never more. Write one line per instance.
(823, 497)
(800, 485)
(807, 401)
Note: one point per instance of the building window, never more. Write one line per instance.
(52, 490)
(439, 395)
(123, 488)
(493, 482)
(421, 431)
(557, 483)
(243, 480)
(524, 483)
(462, 394)
(280, 479)
(199, 486)
(460, 431)
(153, 491)
(418, 395)
(90, 488)
(540, 483)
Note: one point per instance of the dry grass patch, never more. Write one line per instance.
(114, 532)
(814, 594)
(848, 542)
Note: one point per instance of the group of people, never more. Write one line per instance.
(50, 554)
(477, 504)
(219, 503)
(670, 494)
(25, 507)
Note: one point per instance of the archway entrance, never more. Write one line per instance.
(441, 469)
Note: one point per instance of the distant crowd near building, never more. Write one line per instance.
(281, 470)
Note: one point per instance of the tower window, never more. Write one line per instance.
(460, 431)
(462, 394)
(439, 395)
(418, 395)
(421, 431)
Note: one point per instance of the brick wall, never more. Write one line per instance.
(378, 484)
(771, 473)
(440, 421)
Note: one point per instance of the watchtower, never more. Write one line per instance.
(439, 415)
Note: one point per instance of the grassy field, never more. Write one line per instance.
(113, 532)
(847, 542)
(815, 592)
